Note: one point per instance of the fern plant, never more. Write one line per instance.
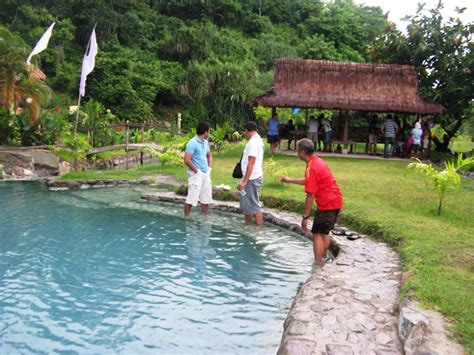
(444, 180)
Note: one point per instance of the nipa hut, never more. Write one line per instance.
(346, 86)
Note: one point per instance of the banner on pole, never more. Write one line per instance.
(42, 43)
(88, 62)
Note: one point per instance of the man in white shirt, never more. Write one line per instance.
(313, 129)
(327, 134)
(252, 169)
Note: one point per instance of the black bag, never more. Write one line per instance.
(237, 173)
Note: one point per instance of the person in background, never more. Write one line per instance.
(416, 134)
(373, 135)
(321, 132)
(327, 128)
(272, 132)
(320, 187)
(198, 159)
(426, 141)
(289, 127)
(252, 169)
(313, 129)
(389, 130)
(399, 138)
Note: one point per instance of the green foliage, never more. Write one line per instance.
(78, 146)
(442, 52)
(444, 180)
(172, 156)
(21, 90)
(273, 170)
(211, 57)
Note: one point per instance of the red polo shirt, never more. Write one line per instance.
(321, 182)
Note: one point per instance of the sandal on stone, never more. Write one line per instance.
(338, 232)
(352, 236)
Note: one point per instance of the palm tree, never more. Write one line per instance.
(22, 86)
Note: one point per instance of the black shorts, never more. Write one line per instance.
(324, 221)
(273, 139)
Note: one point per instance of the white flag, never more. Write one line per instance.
(42, 43)
(88, 63)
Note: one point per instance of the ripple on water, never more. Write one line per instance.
(99, 271)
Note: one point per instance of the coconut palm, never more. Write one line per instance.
(22, 86)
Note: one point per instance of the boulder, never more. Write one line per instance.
(423, 331)
(17, 166)
(44, 159)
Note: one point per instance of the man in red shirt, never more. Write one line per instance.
(320, 187)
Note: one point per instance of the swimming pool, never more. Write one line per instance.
(99, 271)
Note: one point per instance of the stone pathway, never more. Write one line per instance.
(347, 307)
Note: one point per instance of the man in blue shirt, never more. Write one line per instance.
(198, 159)
(273, 137)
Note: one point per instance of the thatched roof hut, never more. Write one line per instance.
(346, 86)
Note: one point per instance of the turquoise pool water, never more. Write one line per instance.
(99, 271)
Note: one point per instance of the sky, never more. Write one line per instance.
(399, 8)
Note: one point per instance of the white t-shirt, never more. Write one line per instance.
(313, 125)
(254, 148)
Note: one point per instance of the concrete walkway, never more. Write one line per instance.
(348, 307)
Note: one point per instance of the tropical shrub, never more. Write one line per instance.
(441, 181)
(273, 170)
(78, 146)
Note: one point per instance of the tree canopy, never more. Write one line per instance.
(209, 57)
(442, 52)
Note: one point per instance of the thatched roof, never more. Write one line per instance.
(347, 86)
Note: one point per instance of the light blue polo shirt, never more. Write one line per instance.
(198, 150)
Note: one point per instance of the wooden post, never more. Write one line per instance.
(345, 138)
(127, 128)
(143, 141)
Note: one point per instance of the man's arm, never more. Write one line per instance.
(287, 180)
(248, 172)
(308, 206)
(189, 163)
(209, 159)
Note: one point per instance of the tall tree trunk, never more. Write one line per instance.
(443, 144)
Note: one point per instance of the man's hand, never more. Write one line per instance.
(304, 225)
(241, 185)
(284, 179)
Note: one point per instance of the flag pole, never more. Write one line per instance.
(77, 114)
(79, 98)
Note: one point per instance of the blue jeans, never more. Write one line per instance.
(391, 141)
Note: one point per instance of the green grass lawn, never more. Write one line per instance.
(437, 252)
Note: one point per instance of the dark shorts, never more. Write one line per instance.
(328, 137)
(324, 221)
(273, 139)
